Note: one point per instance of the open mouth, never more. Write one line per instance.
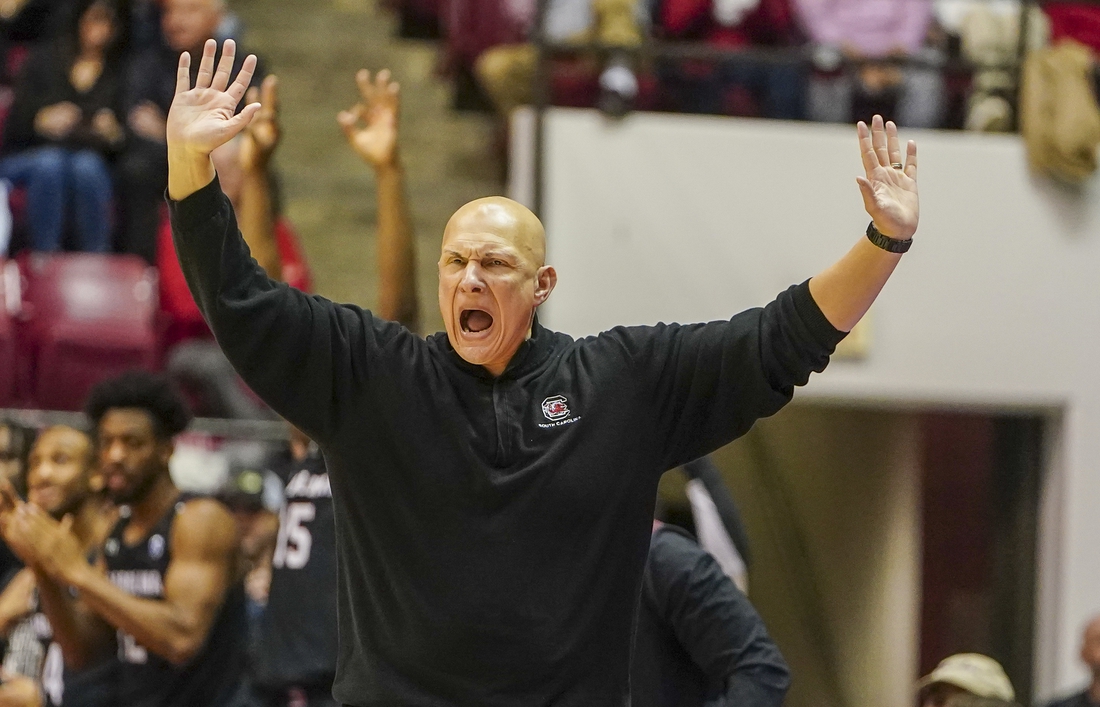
(474, 321)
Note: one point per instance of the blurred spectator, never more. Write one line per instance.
(62, 481)
(967, 675)
(699, 641)
(863, 30)
(1059, 115)
(32, 20)
(988, 33)
(1090, 656)
(506, 72)
(143, 168)
(1079, 21)
(296, 649)
(64, 128)
(742, 86)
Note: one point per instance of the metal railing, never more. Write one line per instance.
(252, 430)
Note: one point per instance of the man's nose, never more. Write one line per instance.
(116, 451)
(472, 281)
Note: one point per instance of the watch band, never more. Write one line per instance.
(891, 245)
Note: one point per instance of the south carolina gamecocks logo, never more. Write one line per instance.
(555, 407)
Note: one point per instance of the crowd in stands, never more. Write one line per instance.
(923, 63)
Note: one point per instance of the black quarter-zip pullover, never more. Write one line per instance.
(491, 532)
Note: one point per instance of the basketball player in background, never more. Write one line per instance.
(172, 592)
(62, 482)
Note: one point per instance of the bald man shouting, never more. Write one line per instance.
(494, 485)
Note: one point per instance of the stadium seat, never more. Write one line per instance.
(9, 301)
(86, 317)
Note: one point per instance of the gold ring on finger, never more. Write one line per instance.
(896, 165)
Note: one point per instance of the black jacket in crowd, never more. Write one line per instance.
(44, 82)
(491, 532)
(699, 640)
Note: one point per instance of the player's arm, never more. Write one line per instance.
(845, 291)
(715, 624)
(204, 553)
(303, 355)
(84, 638)
(46, 547)
(257, 214)
(372, 131)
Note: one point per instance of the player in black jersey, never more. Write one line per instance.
(296, 644)
(296, 647)
(62, 481)
(173, 592)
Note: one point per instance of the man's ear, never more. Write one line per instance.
(545, 280)
(167, 448)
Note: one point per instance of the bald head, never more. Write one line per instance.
(504, 218)
(492, 277)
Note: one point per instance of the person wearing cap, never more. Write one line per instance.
(1090, 656)
(967, 680)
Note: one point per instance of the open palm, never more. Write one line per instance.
(371, 124)
(202, 118)
(890, 186)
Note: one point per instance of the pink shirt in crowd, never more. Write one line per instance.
(873, 28)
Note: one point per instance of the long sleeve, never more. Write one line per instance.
(303, 355)
(715, 624)
(701, 386)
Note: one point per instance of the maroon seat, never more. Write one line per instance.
(9, 294)
(86, 317)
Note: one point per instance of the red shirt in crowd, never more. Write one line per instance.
(1074, 20)
(769, 23)
(184, 319)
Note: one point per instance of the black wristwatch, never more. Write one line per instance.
(892, 245)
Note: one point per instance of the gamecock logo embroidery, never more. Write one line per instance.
(555, 407)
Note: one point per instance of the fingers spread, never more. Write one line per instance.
(867, 151)
(206, 65)
(892, 144)
(183, 73)
(911, 159)
(252, 95)
(225, 66)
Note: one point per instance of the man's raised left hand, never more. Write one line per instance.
(890, 186)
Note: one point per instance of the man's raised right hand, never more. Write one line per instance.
(202, 118)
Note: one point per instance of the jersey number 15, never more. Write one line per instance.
(294, 542)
